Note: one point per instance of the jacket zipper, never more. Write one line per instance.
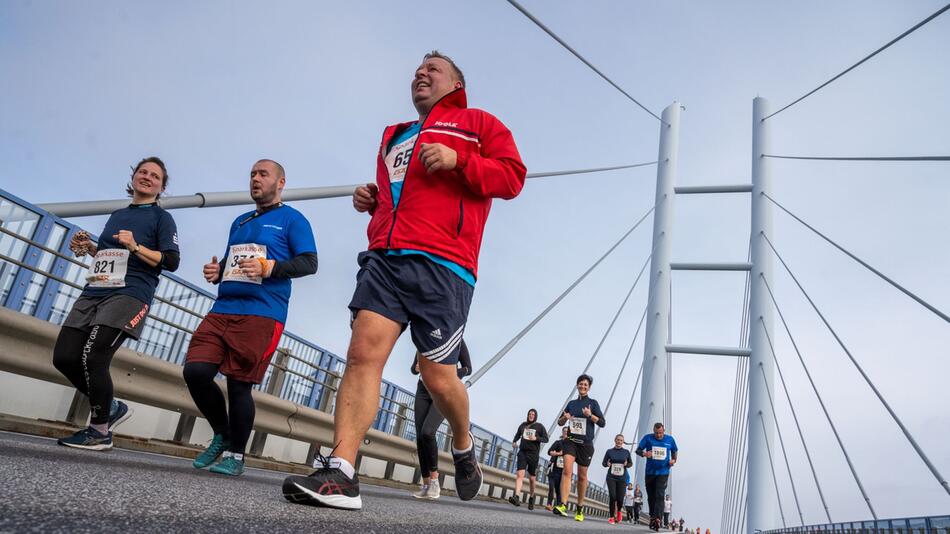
(402, 194)
(458, 231)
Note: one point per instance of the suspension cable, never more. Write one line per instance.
(884, 277)
(602, 340)
(620, 374)
(585, 171)
(636, 384)
(869, 56)
(910, 438)
(821, 402)
(861, 158)
(768, 449)
(781, 441)
(791, 406)
(560, 41)
(514, 341)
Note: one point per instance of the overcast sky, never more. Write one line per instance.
(91, 87)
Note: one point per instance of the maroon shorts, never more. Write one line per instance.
(241, 345)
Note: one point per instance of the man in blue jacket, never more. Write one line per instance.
(660, 451)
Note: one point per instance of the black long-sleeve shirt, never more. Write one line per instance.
(527, 445)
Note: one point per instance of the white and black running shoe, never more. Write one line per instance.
(468, 475)
(327, 486)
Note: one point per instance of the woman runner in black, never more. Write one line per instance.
(428, 419)
(616, 460)
(137, 243)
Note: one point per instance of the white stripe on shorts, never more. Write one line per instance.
(440, 353)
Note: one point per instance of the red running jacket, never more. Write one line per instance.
(444, 213)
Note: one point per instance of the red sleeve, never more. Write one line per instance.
(496, 171)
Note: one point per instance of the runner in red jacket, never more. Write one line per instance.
(435, 181)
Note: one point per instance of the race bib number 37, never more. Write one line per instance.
(108, 268)
(616, 469)
(579, 426)
(659, 453)
(232, 265)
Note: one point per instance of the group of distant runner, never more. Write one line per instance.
(435, 181)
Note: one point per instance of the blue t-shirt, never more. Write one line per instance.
(406, 138)
(286, 233)
(617, 456)
(151, 227)
(665, 447)
(576, 409)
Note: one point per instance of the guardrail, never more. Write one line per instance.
(939, 524)
(40, 277)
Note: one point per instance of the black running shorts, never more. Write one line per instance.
(417, 292)
(528, 462)
(583, 452)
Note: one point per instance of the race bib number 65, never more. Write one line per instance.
(108, 268)
(232, 265)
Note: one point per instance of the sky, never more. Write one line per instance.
(89, 88)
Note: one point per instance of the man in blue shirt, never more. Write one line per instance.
(660, 451)
(266, 248)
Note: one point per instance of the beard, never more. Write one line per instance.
(264, 195)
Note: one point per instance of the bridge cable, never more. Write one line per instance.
(602, 340)
(869, 56)
(636, 385)
(560, 41)
(768, 449)
(781, 441)
(585, 171)
(508, 346)
(791, 406)
(861, 158)
(904, 290)
(622, 368)
(910, 438)
(821, 402)
(731, 459)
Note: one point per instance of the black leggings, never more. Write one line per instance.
(554, 486)
(656, 494)
(235, 420)
(84, 358)
(427, 419)
(616, 489)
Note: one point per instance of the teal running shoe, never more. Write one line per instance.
(210, 455)
(229, 465)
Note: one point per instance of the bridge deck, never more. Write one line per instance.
(48, 488)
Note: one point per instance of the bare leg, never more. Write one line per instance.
(566, 478)
(358, 399)
(450, 397)
(581, 485)
(519, 481)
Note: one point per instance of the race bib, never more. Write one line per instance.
(108, 268)
(397, 161)
(232, 265)
(529, 434)
(579, 426)
(659, 453)
(560, 462)
(616, 470)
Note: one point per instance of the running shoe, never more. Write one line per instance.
(422, 493)
(210, 455)
(434, 491)
(579, 516)
(514, 500)
(549, 508)
(327, 486)
(88, 438)
(619, 518)
(468, 475)
(229, 465)
(611, 521)
(560, 510)
(531, 504)
(118, 414)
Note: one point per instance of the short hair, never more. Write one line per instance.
(618, 436)
(455, 68)
(590, 381)
(151, 159)
(280, 168)
(657, 426)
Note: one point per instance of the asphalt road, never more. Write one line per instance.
(48, 488)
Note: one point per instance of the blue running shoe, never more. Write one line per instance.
(118, 414)
(229, 465)
(88, 438)
(210, 455)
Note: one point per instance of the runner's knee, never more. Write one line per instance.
(199, 373)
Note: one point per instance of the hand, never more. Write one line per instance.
(253, 268)
(672, 462)
(212, 271)
(364, 197)
(80, 243)
(648, 453)
(126, 239)
(587, 412)
(437, 157)
(567, 416)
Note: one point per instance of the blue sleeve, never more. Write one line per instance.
(673, 448)
(601, 422)
(167, 233)
(642, 445)
(606, 458)
(301, 235)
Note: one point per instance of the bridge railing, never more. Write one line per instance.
(39, 276)
(910, 525)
